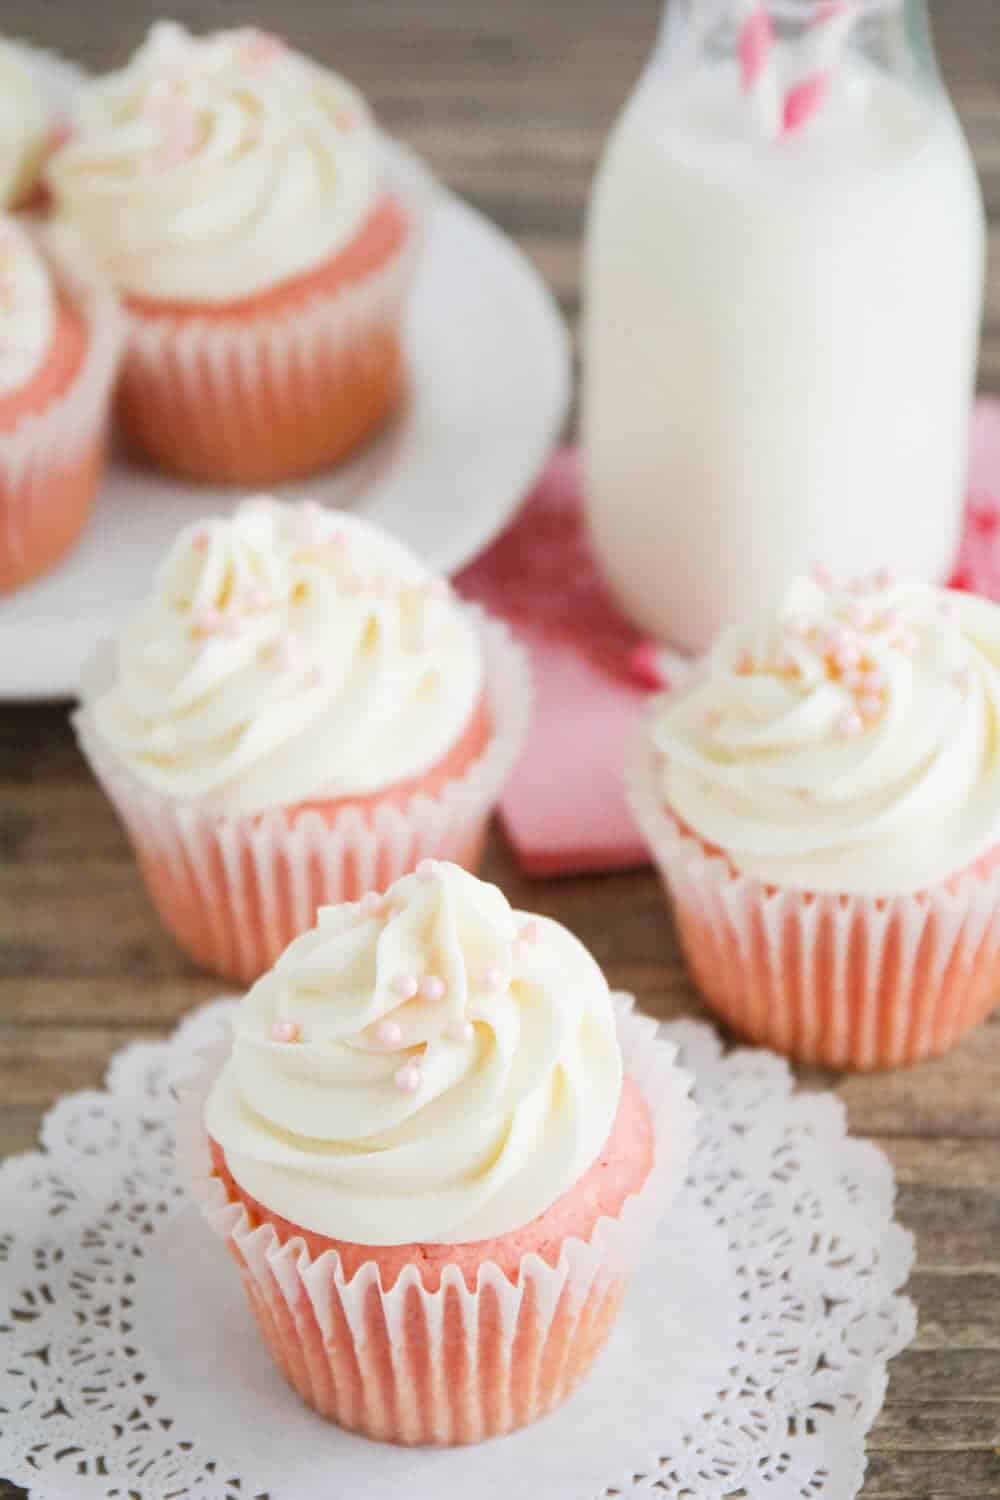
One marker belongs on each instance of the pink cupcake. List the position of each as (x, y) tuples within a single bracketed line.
[(263, 245), (823, 801), (434, 1151), (59, 345), (299, 715)]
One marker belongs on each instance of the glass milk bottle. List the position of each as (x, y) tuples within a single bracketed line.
[(783, 290)]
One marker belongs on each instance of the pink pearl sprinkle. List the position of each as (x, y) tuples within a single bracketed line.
[(530, 933), (407, 1078), (206, 620), (744, 664), (388, 1033), (493, 979), (372, 904), (426, 869), (821, 576), (285, 1031), (404, 985), (461, 1031), (849, 724), (870, 705), (200, 540), (257, 598), (885, 578), (431, 987)]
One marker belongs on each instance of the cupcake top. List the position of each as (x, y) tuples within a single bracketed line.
[(850, 743), (24, 126), (289, 654), (428, 1066), (211, 168), (27, 308)]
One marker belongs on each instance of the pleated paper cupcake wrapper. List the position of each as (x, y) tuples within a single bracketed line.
[(235, 891), (51, 460), (845, 981), (275, 398), (452, 1365)]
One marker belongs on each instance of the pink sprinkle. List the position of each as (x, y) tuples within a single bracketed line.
[(206, 620), (849, 724), (713, 718), (822, 576), (644, 665), (407, 1078), (461, 1031), (257, 598), (803, 101), (426, 870), (200, 540), (530, 932), (388, 1033), (870, 705), (337, 541), (493, 979), (744, 664), (372, 904), (261, 47), (431, 987), (286, 1031), (287, 654), (404, 985), (755, 39), (885, 578)]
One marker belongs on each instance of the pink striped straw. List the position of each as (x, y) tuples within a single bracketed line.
[(820, 52)]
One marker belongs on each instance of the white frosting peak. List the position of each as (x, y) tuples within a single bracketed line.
[(211, 168), (429, 1066), (24, 126), (27, 308), (851, 743), (290, 654)]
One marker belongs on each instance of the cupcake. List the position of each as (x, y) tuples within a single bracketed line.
[(434, 1151), (299, 715), (234, 194), (59, 344), (27, 129), (823, 802)]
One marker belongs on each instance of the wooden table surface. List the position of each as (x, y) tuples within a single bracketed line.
[(510, 102)]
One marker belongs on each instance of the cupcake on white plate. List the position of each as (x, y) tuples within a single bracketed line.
[(263, 243), (299, 715), (823, 802)]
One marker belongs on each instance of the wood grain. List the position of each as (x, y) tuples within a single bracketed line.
[(510, 103)]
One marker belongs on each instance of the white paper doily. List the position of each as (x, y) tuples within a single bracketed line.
[(750, 1355)]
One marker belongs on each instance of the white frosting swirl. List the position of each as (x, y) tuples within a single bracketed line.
[(211, 168), (850, 744), (27, 308), (447, 1117), (290, 654), (24, 126)]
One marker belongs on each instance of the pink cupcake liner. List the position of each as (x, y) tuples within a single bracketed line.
[(217, 391), (56, 448), (844, 981), (235, 891), (452, 1365)]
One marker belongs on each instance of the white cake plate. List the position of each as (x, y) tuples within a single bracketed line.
[(489, 389)]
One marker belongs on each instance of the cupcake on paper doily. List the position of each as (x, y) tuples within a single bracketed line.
[(823, 800), (431, 1162), (299, 715), (234, 193), (59, 343)]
